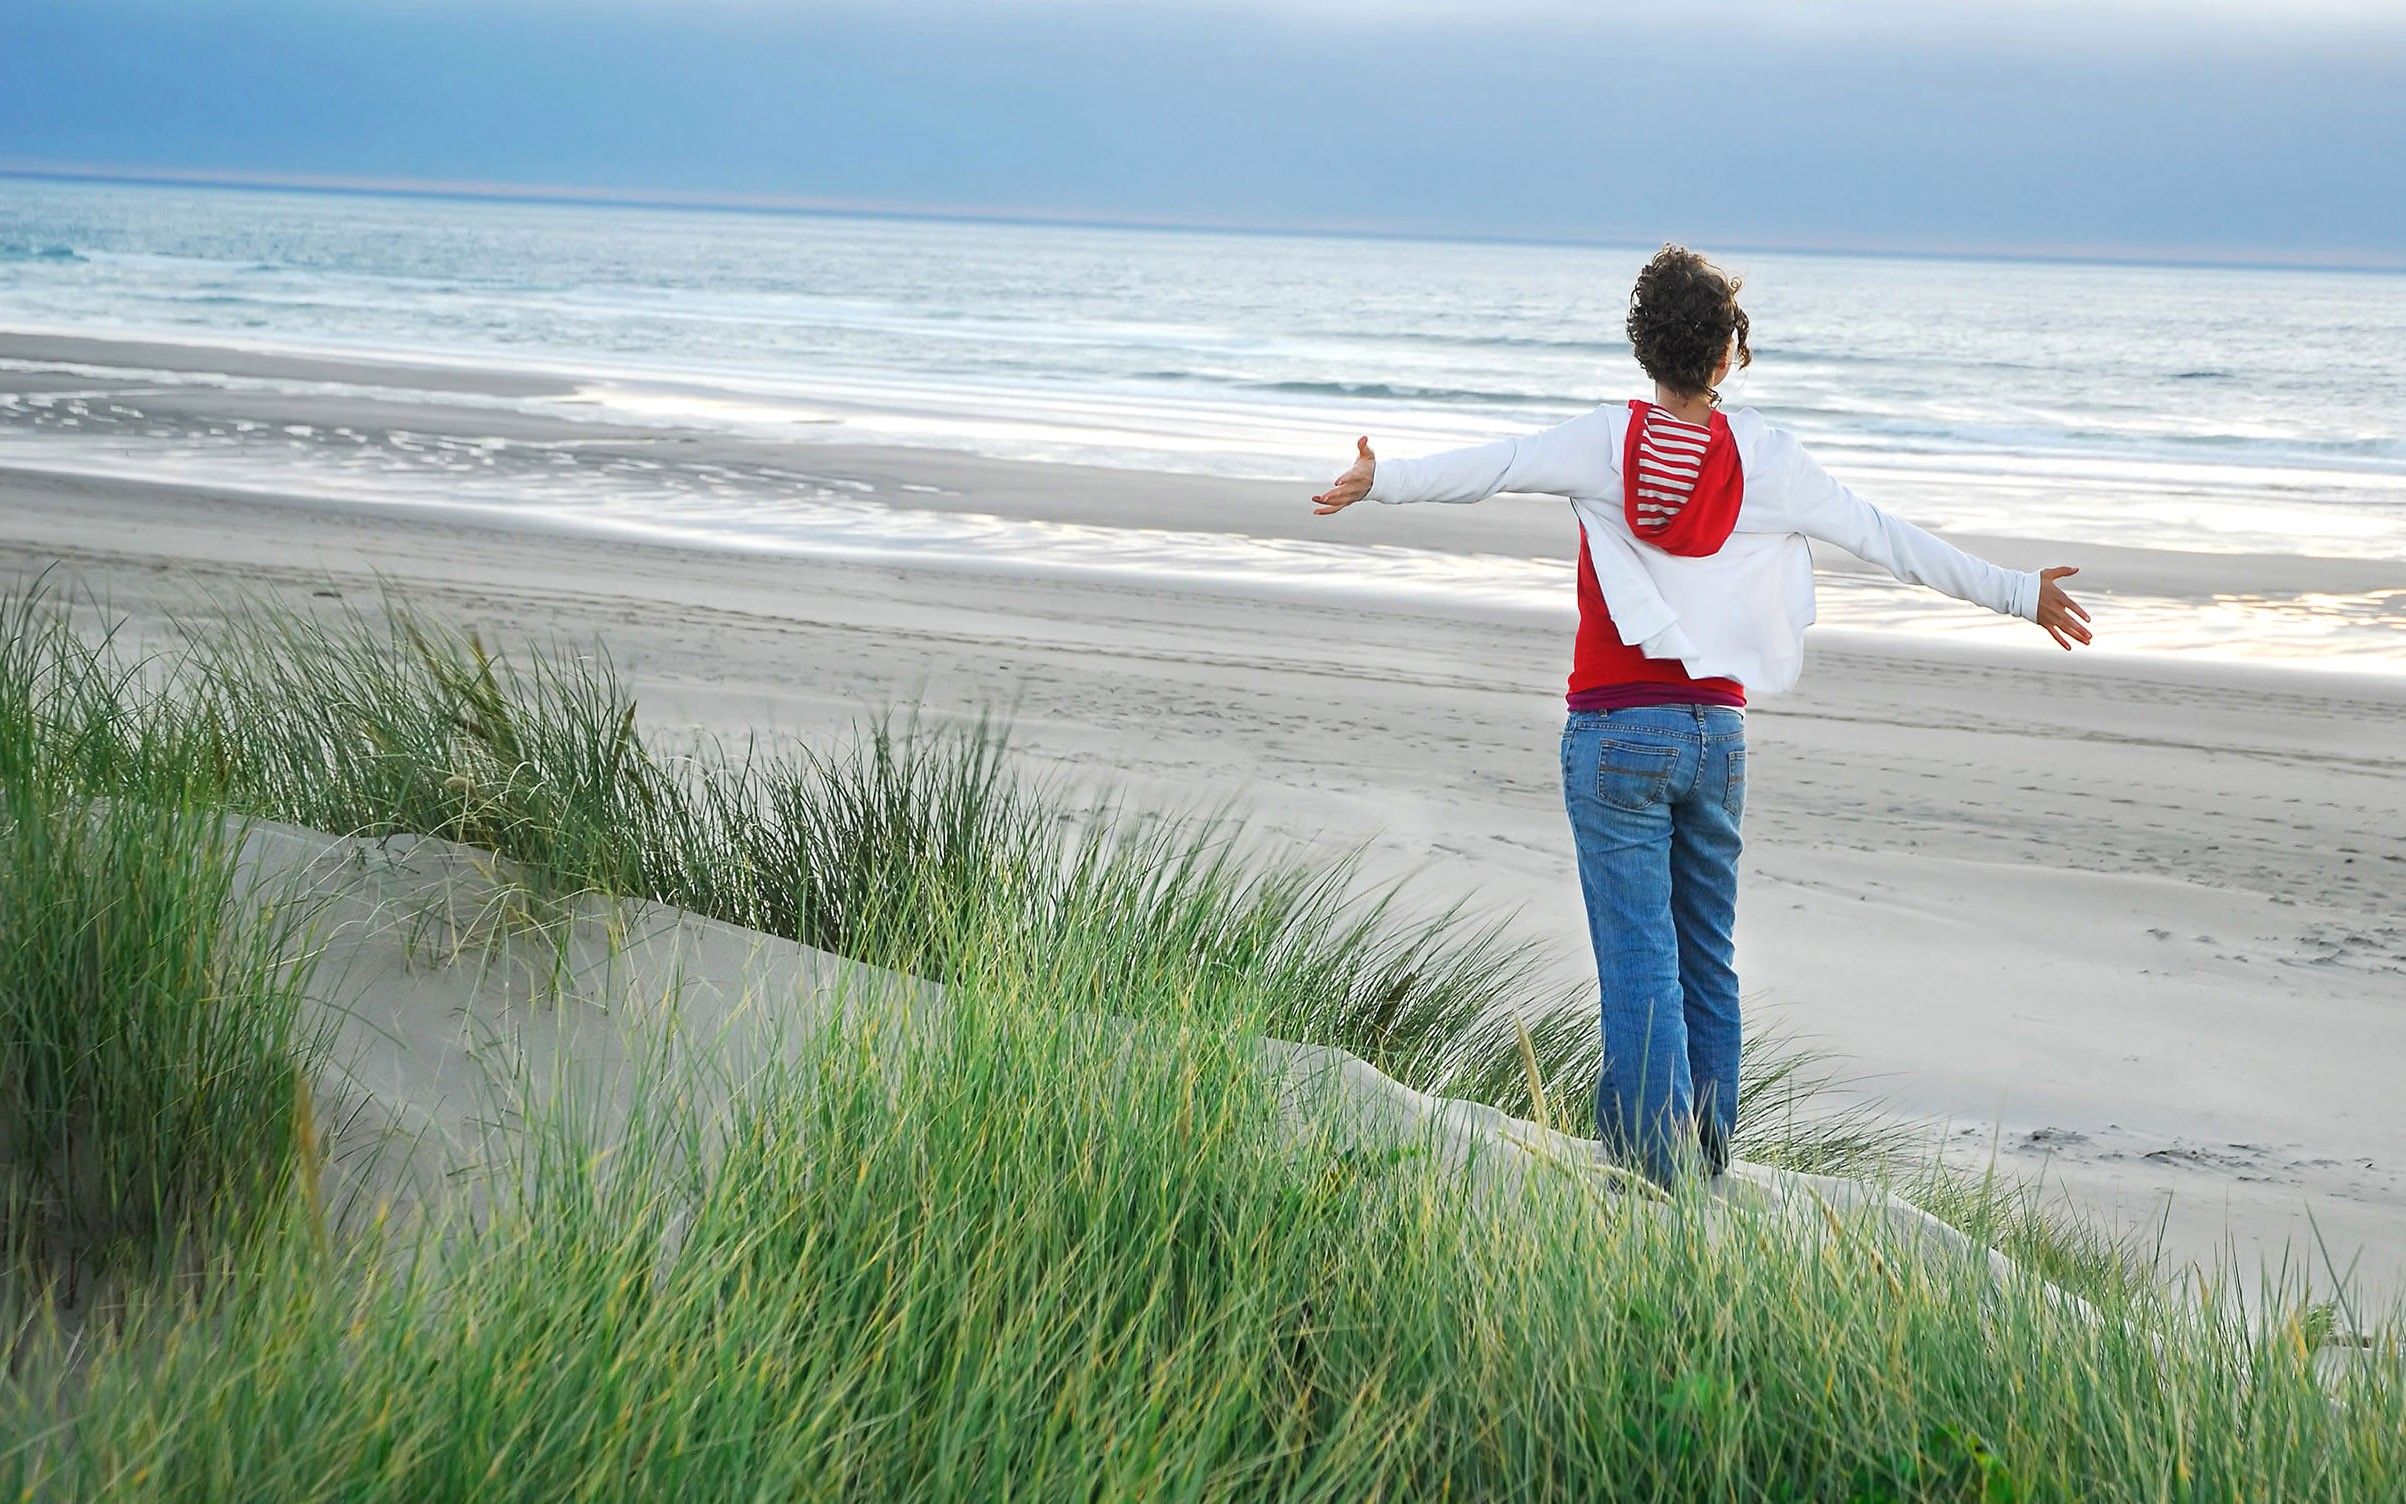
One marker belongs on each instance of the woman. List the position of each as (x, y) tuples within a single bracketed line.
[(1695, 586)]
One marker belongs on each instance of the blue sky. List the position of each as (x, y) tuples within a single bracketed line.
[(2214, 128)]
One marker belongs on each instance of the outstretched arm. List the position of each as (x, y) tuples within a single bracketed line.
[(1570, 459), (1816, 505)]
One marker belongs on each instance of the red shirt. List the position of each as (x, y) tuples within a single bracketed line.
[(1683, 499)]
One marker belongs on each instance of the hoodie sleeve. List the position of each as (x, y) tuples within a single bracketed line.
[(1804, 498), (1577, 458)]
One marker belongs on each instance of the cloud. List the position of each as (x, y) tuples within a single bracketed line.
[(1866, 136), (2032, 21)]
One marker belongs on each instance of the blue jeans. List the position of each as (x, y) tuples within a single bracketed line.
[(1655, 794)]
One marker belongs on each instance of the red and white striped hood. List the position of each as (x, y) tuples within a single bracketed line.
[(1682, 483)]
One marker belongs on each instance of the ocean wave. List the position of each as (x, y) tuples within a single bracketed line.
[(1774, 351), (1859, 424), (1376, 391), (18, 250), (1391, 391), (1576, 346)]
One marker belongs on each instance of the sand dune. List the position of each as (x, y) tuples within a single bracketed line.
[(457, 1009)]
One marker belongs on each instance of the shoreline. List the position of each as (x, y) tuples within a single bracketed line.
[(775, 405), (385, 433), (2338, 677)]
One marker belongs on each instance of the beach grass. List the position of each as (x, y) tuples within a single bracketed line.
[(151, 1038), (891, 848), (1018, 1255), (1064, 1242)]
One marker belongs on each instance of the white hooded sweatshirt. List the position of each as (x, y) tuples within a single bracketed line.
[(1740, 612)]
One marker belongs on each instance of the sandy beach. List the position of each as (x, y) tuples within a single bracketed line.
[(2131, 923)]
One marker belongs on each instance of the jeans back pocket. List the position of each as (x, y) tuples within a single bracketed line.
[(1634, 776)]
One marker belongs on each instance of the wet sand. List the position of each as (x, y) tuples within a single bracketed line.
[(2135, 924)]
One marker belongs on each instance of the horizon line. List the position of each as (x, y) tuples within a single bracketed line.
[(766, 202)]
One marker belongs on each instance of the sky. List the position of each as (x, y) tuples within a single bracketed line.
[(2217, 129)]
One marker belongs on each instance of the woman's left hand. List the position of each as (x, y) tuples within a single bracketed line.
[(2061, 615), (1350, 487)]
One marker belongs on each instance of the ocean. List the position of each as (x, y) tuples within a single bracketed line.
[(2214, 410)]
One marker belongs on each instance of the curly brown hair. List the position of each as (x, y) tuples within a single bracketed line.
[(1683, 316)]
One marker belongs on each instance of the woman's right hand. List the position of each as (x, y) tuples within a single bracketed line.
[(1350, 487)]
